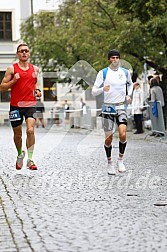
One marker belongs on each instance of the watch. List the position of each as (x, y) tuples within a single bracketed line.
[(38, 90)]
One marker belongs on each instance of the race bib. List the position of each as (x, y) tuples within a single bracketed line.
[(108, 109), (14, 115)]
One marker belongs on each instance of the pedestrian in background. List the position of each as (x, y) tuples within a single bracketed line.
[(156, 92), (83, 107), (137, 106), (162, 86), (149, 83), (160, 83), (66, 113), (21, 78), (116, 89), (40, 109), (156, 95)]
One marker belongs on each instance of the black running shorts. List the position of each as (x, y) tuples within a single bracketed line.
[(16, 115), (108, 120)]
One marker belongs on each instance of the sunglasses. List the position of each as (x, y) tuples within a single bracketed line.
[(114, 57), (23, 50)]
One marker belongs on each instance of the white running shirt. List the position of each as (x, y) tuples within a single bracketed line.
[(117, 81)]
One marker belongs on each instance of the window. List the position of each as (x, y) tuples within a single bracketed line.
[(49, 87), (5, 26)]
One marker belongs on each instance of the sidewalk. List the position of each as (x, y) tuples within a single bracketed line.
[(70, 204)]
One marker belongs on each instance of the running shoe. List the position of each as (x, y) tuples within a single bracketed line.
[(19, 161), (31, 165), (111, 170), (121, 166)]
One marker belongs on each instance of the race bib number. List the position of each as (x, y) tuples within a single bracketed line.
[(14, 115), (108, 109)]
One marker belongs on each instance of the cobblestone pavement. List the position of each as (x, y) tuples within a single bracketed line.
[(70, 204)]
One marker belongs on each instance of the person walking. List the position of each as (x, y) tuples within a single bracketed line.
[(40, 109), (116, 87), (66, 113), (21, 78), (137, 106), (83, 107), (156, 95)]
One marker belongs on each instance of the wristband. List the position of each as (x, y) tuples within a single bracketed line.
[(38, 90)]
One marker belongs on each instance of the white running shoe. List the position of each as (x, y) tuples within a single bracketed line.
[(111, 170), (121, 166)]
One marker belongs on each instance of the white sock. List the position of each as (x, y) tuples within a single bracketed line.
[(109, 161)]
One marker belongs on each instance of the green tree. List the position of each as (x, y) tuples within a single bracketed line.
[(148, 30), (78, 30), (86, 30)]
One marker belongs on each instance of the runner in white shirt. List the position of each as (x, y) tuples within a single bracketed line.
[(116, 89)]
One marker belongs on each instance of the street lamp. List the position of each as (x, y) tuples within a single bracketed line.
[(145, 78), (32, 11)]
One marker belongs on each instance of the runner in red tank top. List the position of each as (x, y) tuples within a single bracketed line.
[(21, 78), (25, 97)]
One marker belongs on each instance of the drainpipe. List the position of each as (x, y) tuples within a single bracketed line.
[(32, 11)]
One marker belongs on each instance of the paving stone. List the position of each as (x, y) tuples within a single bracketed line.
[(71, 204)]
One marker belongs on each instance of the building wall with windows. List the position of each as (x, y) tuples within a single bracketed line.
[(12, 14)]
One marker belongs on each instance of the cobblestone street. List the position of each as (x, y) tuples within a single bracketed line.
[(71, 205)]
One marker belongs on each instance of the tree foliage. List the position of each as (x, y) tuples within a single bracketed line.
[(86, 29), (151, 16), (78, 30)]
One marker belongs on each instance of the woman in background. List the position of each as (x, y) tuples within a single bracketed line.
[(137, 105)]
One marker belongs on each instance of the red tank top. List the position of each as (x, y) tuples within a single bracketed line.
[(22, 92)]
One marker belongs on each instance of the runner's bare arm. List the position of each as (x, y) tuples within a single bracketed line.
[(9, 79), (36, 87)]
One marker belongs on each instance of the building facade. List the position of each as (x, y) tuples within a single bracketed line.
[(12, 14)]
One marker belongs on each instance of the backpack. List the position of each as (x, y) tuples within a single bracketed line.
[(126, 74)]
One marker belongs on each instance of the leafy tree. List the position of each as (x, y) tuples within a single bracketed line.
[(150, 34), (149, 17), (42, 35), (86, 30), (78, 30)]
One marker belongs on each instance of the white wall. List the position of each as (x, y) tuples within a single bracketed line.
[(21, 10), (39, 5)]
